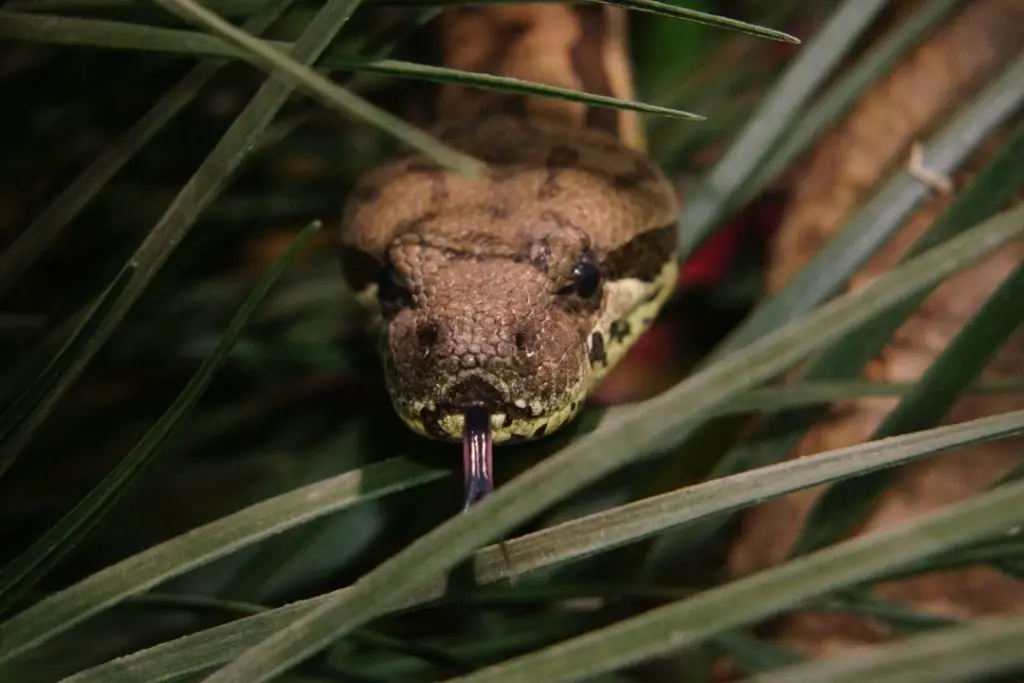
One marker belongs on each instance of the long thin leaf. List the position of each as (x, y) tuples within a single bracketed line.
[(994, 186), (298, 74), (620, 440), (201, 189), (24, 572), (603, 531), (971, 652), (841, 97), (563, 543), (842, 508), (122, 35), (13, 419), (776, 113), (886, 212), (61, 611), (763, 594), (22, 253), (991, 188), (669, 10)]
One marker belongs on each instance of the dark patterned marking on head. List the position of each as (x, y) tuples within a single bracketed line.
[(643, 257), (540, 431), (640, 174), (507, 422), (597, 354), (550, 189), (559, 157), (619, 331), (420, 165), (514, 105), (588, 62), (562, 156), (438, 187), (413, 225), (559, 219)]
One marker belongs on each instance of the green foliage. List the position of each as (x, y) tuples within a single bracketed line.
[(283, 534)]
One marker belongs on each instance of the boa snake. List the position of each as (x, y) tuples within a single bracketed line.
[(500, 302)]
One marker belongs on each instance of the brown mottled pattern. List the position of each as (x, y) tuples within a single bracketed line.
[(587, 61), (921, 93), (578, 47), (494, 315)]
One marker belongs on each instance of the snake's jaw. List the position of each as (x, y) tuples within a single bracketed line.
[(447, 413)]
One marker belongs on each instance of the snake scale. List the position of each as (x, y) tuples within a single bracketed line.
[(500, 302)]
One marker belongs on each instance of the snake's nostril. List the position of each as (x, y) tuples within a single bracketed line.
[(426, 333)]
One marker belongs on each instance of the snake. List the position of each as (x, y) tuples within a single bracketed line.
[(498, 303), (932, 84)]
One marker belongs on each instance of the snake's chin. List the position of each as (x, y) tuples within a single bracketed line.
[(512, 420)]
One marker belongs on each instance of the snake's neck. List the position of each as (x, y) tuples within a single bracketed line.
[(580, 47)]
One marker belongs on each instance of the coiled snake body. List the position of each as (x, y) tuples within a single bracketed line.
[(500, 302)]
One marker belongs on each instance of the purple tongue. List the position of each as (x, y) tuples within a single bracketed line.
[(477, 455)]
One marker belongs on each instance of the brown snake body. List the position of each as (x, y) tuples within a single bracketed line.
[(924, 91), (507, 298)]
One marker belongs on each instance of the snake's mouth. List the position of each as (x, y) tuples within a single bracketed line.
[(511, 420)]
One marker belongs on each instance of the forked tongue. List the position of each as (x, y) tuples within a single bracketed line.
[(477, 455)]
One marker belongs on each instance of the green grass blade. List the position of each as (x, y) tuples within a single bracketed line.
[(61, 611), (973, 652), (843, 508), (845, 94), (665, 9), (569, 541), (763, 594), (502, 83), (297, 74), (660, 8), (603, 531), (24, 571), (993, 187), (751, 655), (201, 189), (122, 35), (865, 603), (22, 253), (563, 543), (622, 438), (804, 394), (777, 112), (875, 224), (12, 422)]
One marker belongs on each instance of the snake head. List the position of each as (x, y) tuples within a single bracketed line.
[(510, 295), (474, 323)]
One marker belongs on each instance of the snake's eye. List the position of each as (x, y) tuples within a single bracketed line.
[(392, 289), (586, 278)]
